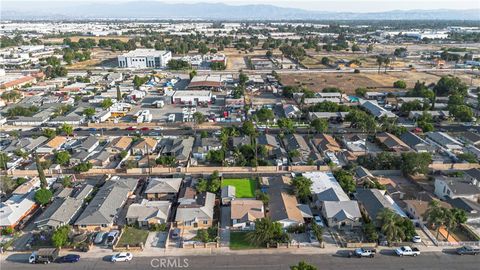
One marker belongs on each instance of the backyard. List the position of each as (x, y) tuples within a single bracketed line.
[(244, 187), (132, 237), (238, 240)]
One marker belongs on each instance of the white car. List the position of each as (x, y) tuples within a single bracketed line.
[(122, 257), (416, 239)]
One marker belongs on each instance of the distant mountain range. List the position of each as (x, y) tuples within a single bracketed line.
[(34, 10)]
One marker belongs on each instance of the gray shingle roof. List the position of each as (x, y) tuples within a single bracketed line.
[(163, 185), (149, 209), (200, 209), (342, 210), (107, 202)]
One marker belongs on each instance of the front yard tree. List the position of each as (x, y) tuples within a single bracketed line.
[(67, 129), (264, 115), (303, 266), (43, 196), (60, 236), (389, 225), (267, 232), (49, 133), (286, 124), (107, 103), (89, 112), (435, 216), (248, 128), (346, 181)]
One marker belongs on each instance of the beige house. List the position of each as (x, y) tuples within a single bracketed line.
[(119, 144), (147, 213), (244, 212), (196, 212), (144, 146), (163, 189)]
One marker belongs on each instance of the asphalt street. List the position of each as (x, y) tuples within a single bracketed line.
[(387, 260)]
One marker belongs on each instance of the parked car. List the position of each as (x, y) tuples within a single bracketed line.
[(318, 220), (363, 252), (122, 257), (131, 128), (416, 239), (176, 233), (112, 236), (70, 258), (468, 250), (153, 133), (99, 237), (407, 251), (144, 129)]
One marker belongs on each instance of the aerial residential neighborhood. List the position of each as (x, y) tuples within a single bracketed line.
[(246, 136)]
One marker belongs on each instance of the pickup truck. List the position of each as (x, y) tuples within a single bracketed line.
[(407, 251), (363, 252)]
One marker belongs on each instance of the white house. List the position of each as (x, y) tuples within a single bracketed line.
[(144, 58)]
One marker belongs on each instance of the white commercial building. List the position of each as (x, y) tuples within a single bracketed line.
[(192, 97), (144, 58)]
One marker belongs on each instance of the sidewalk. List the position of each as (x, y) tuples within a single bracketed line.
[(152, 252)]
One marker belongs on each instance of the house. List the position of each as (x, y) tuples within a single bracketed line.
[(144, 146), (326, 143), (293, 143), (436, 115), (203, 145), (445, 141), (162, 189), (342, 214), (471, 137), (472, 175), (53, 145), (244, 212), (89, 144), (356, 144), (373, 201), (291, 111), (119, 144), (100, 159), (283, 206), (196, 213), (79, 157), (362, 174), (14, 210), (64, 208), (239, 141), (450, 187), (180, 148), (374, 109), (147, 212), (416, 209), (274, 149), (472, 208), (416, 143), (228, 194), (102, 212), (325, 188), (27, 144), (391, 142)]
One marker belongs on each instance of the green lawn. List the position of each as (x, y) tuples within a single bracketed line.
[(244, 187), (132, 236), (238, 240)]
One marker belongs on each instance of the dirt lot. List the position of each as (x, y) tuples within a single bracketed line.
[(351, 81), (100, 57)]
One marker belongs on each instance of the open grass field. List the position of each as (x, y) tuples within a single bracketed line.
[(244, 187), (238, 241)]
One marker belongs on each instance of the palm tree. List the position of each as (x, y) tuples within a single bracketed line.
[(379, 62), (389, 222), (435, 215), (386, 61), (451, 221)]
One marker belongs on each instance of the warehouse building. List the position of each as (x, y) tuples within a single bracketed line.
[(144, 58), (191, 97)]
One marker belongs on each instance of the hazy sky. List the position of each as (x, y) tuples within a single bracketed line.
[(326, 5)]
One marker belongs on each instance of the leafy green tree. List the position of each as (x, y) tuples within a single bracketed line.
[(400, 84), (361, 91), (192, 73), (67, 129), (60, 236), (62, 157), (67, 181), (202, 185), (267, 232), (216, 156), (89, 112), (264, 114), (43, 196), (248, 128), (41, 173), (468, 157), (346, 181), (449, 85), (319, 125), (107, 103), (301, 187), (83, 167), (462, 113), (370, 232), (435, 216), (415, 163), (361, 120), (303, 265), (286, 124)]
